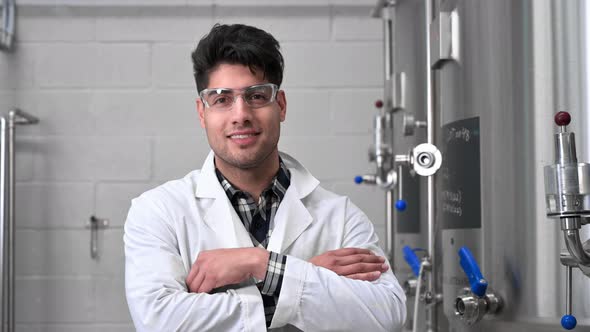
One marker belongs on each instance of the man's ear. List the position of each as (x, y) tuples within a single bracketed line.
[(282, 102), (201, 110)]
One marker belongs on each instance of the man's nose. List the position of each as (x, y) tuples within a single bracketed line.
[(241, 111)]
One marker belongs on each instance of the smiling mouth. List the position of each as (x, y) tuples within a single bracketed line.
[(242, 136)]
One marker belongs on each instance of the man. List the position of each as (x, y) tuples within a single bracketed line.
[(251, 240)]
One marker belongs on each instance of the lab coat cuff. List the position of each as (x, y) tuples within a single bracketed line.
[(291, 291), (251, 303)]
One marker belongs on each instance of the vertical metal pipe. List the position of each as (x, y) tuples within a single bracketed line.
[(568, 290), (11, 228), (388, 37), (3, 218), (431, 314), (389, 228)]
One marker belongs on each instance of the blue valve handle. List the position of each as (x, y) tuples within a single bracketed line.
[(412, 260), (401, 205), (358, 179), (478, 284), (568, 322)]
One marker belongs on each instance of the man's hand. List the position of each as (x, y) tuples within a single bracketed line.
[(221, 267), (353, 263)]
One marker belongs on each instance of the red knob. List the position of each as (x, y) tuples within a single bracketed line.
[(562, 118), (379, 103)]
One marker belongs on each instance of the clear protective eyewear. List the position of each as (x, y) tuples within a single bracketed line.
[(255, 96)]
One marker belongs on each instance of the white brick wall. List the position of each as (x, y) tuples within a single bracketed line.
[(112, 83)]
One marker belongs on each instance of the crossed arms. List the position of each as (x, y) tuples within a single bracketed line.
[(345, 289)]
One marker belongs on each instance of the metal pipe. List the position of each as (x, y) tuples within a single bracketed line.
[(417, 298), (7, 30), (575, 247), (565, 148), (389, 228), (15, 117), (11, 227), (568, 290), (3, 219), (21, 117), (431, 315), (388, 55)]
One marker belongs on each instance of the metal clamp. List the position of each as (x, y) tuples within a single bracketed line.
[(471, 308), (95, 224), (426, 159)]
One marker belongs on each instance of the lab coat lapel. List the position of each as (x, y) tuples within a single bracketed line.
[(291, 219), (220, 216), (223, 219)]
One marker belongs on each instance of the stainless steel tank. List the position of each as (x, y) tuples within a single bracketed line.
[(519, 62)]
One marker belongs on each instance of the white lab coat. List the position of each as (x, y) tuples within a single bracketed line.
[(168, 226)]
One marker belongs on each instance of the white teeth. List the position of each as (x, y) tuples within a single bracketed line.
[(241, 136)]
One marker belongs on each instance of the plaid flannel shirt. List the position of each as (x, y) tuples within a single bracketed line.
[(260, 216)]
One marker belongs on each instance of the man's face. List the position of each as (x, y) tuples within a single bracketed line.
[(242, 136)]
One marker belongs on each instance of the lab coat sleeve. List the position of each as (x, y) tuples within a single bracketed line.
[(317, 299), (155, 282)]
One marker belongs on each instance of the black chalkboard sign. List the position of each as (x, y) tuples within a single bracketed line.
[(459, 196)]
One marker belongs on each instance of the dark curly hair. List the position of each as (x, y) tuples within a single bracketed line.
[(238, 44)]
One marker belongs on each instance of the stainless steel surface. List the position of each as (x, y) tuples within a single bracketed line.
[(520, 62), (567, 189)]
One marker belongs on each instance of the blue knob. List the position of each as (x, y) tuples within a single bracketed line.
[(568, 322), (358, 179), (476, 280), (401, 205), (412, 260)]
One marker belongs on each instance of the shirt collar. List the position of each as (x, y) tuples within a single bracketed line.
[(278, 185)]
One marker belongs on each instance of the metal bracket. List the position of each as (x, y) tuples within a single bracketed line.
[(398, 101), (409, 123), (95, 224), (444, 39)]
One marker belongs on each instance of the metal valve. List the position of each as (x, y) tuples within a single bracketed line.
[(411, 284), (567, 195), (475, 301), (410, 124)]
